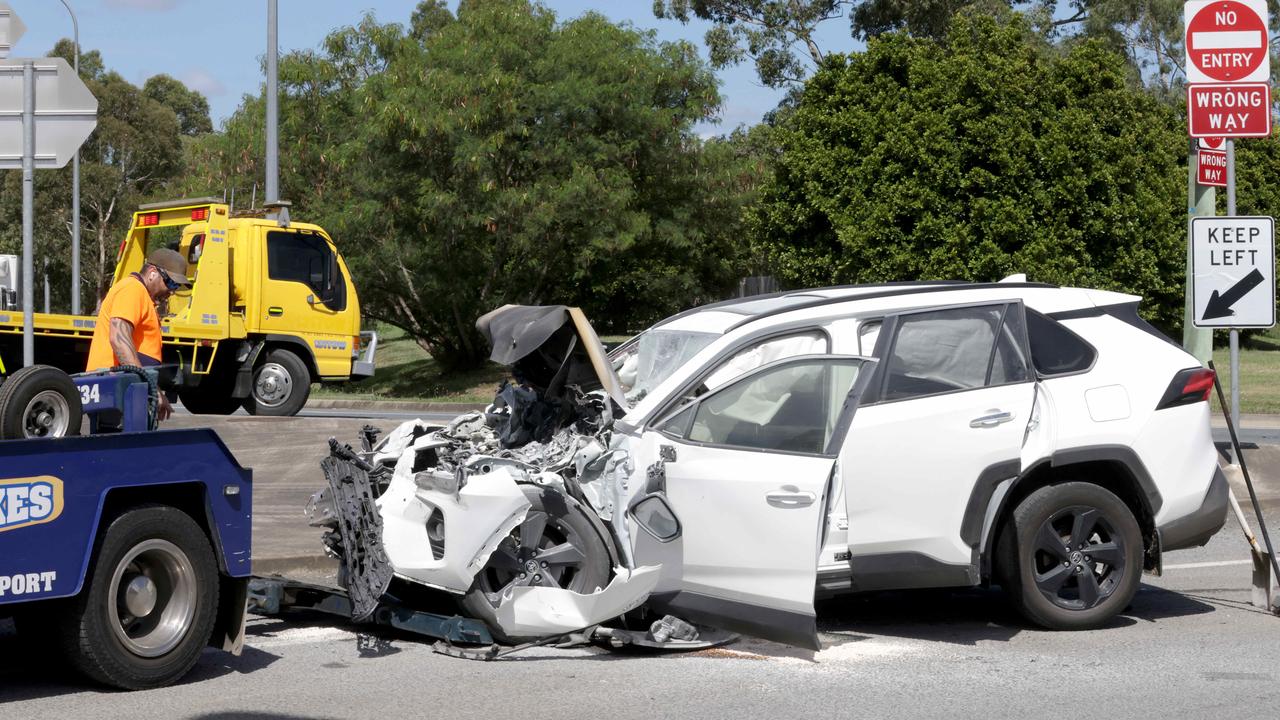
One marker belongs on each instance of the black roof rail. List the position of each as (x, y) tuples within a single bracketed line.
[(785, 293), (948, 286)]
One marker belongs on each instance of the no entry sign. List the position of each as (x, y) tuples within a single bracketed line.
[(1229, 110), (1227, 41)]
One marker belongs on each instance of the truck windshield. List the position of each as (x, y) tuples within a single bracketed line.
[(649, 359)]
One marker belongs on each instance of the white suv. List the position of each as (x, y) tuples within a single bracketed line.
[(820, 441)]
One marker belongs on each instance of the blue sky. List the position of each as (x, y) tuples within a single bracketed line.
[(216, 46)]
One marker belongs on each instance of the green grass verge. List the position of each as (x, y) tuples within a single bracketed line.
[(1259, 373), (406, 372)]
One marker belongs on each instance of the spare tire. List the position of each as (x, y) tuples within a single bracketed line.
[(39, 402), (557, 545)]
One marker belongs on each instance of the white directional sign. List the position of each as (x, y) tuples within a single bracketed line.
[(1233, 267), (11, 28), (66, 112)]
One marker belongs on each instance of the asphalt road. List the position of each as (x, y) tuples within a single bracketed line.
[(1190, 646)]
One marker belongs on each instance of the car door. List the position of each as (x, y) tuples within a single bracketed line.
[(941, 426), (746, 469)]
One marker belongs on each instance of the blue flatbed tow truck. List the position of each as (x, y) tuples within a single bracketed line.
[(129, 549)]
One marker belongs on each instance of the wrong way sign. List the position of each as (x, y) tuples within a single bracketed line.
[(1227, 41), (1233, 272)]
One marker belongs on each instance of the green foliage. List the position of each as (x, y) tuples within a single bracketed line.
[(191, 108), (975, 157), (501, 156)]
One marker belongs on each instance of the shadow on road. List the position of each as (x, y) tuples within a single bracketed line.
[(971, 615)]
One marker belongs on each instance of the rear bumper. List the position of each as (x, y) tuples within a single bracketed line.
[(363, 367), (1195, 529)]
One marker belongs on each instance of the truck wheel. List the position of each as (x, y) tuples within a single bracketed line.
[(212, 397), (38, 402), (281, 384), (556, 546), (1071, 556), (149, 605)]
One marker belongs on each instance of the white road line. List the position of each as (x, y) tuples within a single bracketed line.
[(1219, 563), (300, 636)]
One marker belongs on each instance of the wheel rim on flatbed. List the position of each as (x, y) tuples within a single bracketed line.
[(46, 415)]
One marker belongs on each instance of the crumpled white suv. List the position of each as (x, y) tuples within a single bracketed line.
[(734, 461)]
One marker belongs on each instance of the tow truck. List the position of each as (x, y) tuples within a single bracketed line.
[(272, 310), (127, 551)]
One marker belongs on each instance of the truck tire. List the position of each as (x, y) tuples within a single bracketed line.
[(281, 384), (149, 603), (39, 402), (211, 397)]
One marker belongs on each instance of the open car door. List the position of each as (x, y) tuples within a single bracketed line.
[(747, 471)]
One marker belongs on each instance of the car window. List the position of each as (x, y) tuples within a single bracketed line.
[(1055, 350), (653, 357), (955, 349), (868, 333), (812, 342), (790, 408)]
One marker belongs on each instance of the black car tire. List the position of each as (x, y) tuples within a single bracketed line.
[(554, 521), (154, 559), (1070, 556), (39, 401)]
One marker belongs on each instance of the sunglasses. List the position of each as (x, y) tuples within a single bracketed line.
[(169, 284)]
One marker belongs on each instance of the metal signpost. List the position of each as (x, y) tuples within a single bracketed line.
[(1229, 96), (46, 113)]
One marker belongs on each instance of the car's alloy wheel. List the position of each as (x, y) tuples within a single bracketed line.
[(557, 546), (1070, 556)]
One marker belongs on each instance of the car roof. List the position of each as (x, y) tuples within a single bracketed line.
[(726, 315)]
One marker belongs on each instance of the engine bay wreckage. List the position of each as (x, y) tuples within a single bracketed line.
[(518, 514)]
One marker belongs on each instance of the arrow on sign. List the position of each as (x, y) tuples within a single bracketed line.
[(1220, 305)]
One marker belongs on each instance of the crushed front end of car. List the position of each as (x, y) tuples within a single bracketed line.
[(516, 513)]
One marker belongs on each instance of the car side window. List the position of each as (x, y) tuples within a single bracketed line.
[(1055, 350), (955, 349), (791, 408), (810, 342)]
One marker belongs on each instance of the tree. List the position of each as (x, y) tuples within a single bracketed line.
[(191, 108), (502, 156), (975, 157)]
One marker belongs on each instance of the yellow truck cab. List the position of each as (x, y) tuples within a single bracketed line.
[(271, 311)]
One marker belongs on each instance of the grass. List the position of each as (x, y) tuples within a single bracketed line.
[(406, 372), (1259, 373)]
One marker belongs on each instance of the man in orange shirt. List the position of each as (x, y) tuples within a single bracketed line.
[(128, 327)]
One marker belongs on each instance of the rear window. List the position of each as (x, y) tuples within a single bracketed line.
[(1055, 350)]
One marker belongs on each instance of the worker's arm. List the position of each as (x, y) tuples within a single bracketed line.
[(122, 342), (127, 354)]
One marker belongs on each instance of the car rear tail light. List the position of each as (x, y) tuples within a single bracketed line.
[(200, 214), (1189, 386), (148, 219)]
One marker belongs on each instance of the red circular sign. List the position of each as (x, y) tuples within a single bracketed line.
[(1226, 41)]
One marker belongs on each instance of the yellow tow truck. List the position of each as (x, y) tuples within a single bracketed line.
[(272, 310)]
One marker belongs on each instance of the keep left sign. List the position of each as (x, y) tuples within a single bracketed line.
[(1227, 41)]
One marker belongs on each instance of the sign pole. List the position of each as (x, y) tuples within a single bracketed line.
[(1234, 334), (1200, 202), (28, 209)]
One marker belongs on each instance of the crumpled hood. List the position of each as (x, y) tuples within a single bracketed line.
[(550, 346)]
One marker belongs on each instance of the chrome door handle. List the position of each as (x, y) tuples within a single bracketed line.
[(991, 420), (790, 498)]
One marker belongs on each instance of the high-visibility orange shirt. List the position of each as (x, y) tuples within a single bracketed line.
[(127, 300)]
